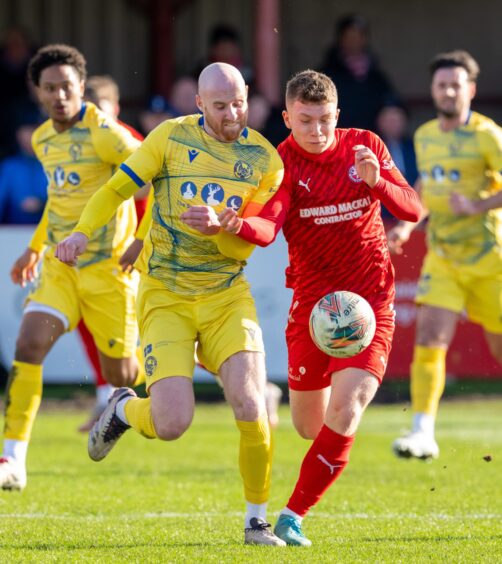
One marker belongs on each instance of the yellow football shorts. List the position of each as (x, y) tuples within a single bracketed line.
[(170, 324), (475, 288), (100, 294)]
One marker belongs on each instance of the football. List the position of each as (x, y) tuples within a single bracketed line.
[(342, 324)]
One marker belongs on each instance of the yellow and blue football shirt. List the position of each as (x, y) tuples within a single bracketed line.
[(77, 162), (468, 161), (188, 167)]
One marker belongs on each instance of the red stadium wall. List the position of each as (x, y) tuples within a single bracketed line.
[(468, 356)]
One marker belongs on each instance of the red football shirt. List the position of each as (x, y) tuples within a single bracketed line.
[(331, 219)]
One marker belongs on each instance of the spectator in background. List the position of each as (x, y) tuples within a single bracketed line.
[(182, 99), (181, 102), (392, 126), (158, 110), (17, 105), (23, 184), (266, 119), (362, 86), (224, 46)]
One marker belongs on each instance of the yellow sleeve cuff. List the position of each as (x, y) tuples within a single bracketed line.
[(39, 237)]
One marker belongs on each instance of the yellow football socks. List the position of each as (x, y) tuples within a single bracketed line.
[(22, 400), (139, 416), (255, 459), (428, 373)]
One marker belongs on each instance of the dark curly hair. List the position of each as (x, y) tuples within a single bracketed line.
[(453, 59), (311, 86), (57, 54)]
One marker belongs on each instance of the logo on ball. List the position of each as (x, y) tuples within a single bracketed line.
[(342, 324)]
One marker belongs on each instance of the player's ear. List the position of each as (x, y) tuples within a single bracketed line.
[(472, 89), (198, 101), (285, 117)]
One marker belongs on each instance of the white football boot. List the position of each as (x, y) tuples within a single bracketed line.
[(260, 532), (108, 428), (12, 474), (416, 445)]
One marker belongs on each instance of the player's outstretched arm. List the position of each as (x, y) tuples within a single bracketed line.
[(461, 205)]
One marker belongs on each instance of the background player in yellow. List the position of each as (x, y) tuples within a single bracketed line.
[(79, 148), (459, 157), (189, 291)]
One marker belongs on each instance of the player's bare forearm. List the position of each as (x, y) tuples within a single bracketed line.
[(130, 255), (462, 205)]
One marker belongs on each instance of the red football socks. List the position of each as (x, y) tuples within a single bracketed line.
[(323, 463)]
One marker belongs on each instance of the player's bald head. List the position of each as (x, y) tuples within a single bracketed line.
[(222, 99), (220, 76)]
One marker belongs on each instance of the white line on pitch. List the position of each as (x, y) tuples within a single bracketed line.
[(205, 515)]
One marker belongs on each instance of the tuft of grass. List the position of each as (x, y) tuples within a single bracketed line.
[(150, 501)]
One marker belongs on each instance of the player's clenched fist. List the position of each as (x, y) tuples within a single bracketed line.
[(201, 218), (69, 249), (230, 221), (367, 165)]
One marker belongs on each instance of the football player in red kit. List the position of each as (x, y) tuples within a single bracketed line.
[(329, 209)]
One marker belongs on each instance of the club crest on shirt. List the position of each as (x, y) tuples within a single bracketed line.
[(234, 202), (438, 173), (354, 177), (243, 170), (75, 151), (212, 194), (59, 176), (150, 365), (74, 179), (188, 190)]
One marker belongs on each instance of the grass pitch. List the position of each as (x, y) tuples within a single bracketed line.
[(182, 501)]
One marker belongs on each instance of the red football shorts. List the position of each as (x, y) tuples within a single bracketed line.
[(310, 369)]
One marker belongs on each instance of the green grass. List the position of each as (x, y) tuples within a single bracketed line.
[(182, 502)]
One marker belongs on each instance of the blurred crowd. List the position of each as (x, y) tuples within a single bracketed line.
[(367, 100)]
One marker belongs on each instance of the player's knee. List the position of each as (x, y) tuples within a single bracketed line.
[(248, 407), (169, 430), (307, 430), (345, 417)]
